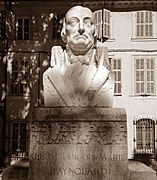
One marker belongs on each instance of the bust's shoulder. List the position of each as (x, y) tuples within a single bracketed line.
[(56, 48), (56, 55)]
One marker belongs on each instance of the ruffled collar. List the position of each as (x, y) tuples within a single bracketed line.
[(84, 59)]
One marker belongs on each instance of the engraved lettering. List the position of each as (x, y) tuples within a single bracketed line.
[(70, 171), (96, 171), (103, 171), (114, 157), (84, 171), (64, 171), (90, 172), (77, 157), (77, 171), (102, 157)]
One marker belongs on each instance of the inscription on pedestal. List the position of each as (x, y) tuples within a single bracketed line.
[(89, 150), (77, 157)]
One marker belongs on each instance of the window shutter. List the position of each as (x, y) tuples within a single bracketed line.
[(106, 23), (150, 76), (102, 19), (144, 24), (139, 76), (116, 63), (150, 24), (98, 20), (138, 24)]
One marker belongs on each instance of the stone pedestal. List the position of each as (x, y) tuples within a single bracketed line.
[(78, 144)]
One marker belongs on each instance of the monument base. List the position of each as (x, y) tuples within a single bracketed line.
[(78, 144), (137, 171), (75, 143)]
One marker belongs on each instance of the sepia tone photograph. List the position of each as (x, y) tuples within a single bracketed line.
[(78, 90)]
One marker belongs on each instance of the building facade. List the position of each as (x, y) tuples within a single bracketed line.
[(132, 47), (28, 30)]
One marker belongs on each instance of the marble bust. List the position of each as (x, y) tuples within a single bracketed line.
[(79, 75)]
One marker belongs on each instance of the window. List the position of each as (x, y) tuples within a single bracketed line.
[(116, 65), (19, 137), (102, 18), (144, 24), (57, 25), (2, 25), (145, 136), (20, 76), (144, 76), (23, 29)]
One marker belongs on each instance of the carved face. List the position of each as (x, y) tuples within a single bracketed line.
[(80, 29)]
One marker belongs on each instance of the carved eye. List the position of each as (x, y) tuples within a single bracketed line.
[(73, 21), (88, 22)]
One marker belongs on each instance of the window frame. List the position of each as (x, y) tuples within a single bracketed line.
[(144, 20), (56, 28), (23, 18), (147, 130), (144, 82), (17, 76), (17, 140), (143, 38)]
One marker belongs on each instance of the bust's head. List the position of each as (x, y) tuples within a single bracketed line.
[(79, 30)]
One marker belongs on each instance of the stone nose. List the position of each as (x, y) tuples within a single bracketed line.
[(81, 31), (81, 28)]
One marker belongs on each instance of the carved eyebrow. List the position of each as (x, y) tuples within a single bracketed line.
[(72, 18), (89, 18), (76, 18)]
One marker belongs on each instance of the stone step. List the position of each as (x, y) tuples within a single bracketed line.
[(139, 171), (17, 171)]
